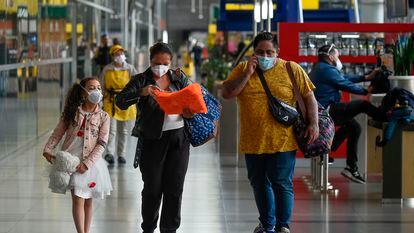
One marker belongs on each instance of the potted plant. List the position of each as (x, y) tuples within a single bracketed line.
[(214, 70), (403, 57)]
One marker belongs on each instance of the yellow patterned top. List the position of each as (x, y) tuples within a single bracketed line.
[(260, 133)]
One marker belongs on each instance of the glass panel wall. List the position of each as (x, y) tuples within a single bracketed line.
[(46, 45), (31, 105), (34, 69)]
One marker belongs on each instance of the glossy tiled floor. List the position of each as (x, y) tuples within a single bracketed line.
[(217, 198)]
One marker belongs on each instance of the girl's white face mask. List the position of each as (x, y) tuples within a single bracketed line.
[(159, 70), (94, 96)]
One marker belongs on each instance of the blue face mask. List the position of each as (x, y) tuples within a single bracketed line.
[(266, 63)]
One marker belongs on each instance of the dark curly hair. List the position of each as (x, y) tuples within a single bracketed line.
[(74, 100), (262, 36), (160, 47)]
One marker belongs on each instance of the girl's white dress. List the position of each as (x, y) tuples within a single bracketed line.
[(95, 182)]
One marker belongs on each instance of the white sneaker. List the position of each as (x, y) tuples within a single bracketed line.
[(284, 230)]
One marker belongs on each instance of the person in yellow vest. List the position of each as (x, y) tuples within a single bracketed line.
[(114, 77)]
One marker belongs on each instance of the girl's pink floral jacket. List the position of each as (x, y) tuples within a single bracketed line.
[(95, 137)]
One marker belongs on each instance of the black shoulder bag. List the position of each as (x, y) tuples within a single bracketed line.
[(281, 111)]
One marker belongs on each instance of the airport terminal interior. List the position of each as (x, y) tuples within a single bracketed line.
[(47, 46)]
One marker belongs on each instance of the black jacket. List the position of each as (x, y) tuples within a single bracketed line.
[(103, 57), (394, 96), (150, 117)]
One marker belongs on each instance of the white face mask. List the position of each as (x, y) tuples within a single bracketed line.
[(120, 59), (94, 96), (159, 70), (338, 64)]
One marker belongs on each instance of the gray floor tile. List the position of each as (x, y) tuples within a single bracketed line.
[(217, 198)]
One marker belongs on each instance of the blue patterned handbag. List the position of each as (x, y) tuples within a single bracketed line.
[(203, 127)]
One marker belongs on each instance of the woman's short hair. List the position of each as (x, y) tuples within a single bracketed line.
[(160, 47), (264, 36)]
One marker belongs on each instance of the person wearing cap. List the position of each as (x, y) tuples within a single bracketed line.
[(114, 78), (328, 80)]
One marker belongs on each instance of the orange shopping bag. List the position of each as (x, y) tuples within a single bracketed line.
[(188, 97)]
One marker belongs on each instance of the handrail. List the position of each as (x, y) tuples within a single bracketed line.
[(31, 63), (97, 6), (241, 55)]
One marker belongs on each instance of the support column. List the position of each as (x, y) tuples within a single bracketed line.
[(97, 21), (106, 21), (125, 24), (133, 36), (74, 43), (372, 11), (254, 21), (150, 28)]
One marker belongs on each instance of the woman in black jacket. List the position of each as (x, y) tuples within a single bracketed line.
[(163, 142)]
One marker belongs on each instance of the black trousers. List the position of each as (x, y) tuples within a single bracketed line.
[(163, 166), (343, 116)]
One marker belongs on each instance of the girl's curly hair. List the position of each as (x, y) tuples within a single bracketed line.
[(74, 100)]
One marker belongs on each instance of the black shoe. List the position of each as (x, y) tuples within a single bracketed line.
[(109, 158), (353, 175), (260, 229), (121, 160)]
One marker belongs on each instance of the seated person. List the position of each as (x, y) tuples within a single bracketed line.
[(329, 81)]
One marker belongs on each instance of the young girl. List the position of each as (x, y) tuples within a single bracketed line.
[(85, 127)]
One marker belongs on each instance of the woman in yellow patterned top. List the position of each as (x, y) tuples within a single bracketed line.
[(269, 146), (115, 77)]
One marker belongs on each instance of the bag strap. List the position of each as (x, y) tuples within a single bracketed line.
[(296, 91), (264, 83)]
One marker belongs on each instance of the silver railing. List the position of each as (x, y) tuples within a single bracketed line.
[(31, 63), (318, 181)]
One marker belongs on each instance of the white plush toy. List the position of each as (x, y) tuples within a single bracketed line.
[(63, 166)]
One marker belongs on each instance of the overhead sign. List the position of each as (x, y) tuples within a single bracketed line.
[(237, 15), (310, 4), (242, 6)]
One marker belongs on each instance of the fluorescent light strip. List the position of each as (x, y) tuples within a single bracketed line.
[(350, 36), (319, 36)]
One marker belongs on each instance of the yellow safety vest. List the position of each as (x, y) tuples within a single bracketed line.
[(115, 81)]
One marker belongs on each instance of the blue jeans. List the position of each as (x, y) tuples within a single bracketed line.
[(271, 177)]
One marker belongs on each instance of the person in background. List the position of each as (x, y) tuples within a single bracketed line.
[(81, 57), (185, 61), (163, 142), (326, 76), (3, 60), (115, 41), (197, 54), (114, 78), (269, 147), (240, 46), (102, 56)]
